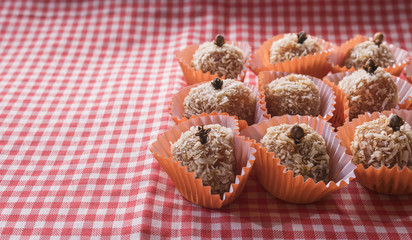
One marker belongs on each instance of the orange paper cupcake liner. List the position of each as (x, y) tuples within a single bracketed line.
[(281, 183), (408, 71), (327, 101), (314, 65), (404, 94), (176, 107), (341, 112), (191, 188), (336, 58), (382, 180), (193, 76)]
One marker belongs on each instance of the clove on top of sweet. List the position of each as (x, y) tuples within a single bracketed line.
[(297, 133), (202, 134), (302, 36)]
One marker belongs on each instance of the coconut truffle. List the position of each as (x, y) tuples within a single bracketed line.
[(219, 57), (376, 50), (369, 92), (230, 96), (208, 151), (293, 45), (300, 149), (293, 94), (385, 141)]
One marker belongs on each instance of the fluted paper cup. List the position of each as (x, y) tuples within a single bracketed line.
[(193, 76), (280, 182), (327, 96), (404, 95), (408, 71), (337, 57), (393, 181), (176, 108), (314, 64), (341, 112), (192, 189)]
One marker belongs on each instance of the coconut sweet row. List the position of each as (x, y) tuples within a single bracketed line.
[(294, 53), (224, 126)]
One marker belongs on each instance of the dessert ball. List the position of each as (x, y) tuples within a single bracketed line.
[(294, 95), (376, 50), (369, 91), (208, 151), (300, 149), (386, 141), (293, 45), (230, 96), (219, 57)]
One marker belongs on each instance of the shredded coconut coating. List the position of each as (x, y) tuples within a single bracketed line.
[(369, 92), (294, 94), (234, 98), (376, 144), (227, 60), (307, 158), (362, 52), (213, 162), (287, 48)]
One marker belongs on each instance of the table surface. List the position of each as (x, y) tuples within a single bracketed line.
[(85, 88)]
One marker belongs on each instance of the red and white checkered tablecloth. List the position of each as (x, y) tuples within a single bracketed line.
[(85, 88)]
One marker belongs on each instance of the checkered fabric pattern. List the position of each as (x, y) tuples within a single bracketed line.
[(85, 88)]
